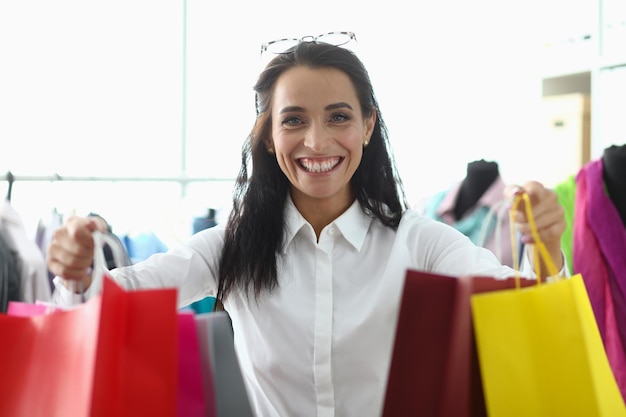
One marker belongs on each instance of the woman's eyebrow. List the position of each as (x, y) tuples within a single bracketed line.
[(290, 109), (334, 106), (340, 105)]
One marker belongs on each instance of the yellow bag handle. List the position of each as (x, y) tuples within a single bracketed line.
[(539, 249)]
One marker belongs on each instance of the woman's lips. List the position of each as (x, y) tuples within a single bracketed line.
[(317, 165)]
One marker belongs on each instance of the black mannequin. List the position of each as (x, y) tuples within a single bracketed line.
[(480, 175), (614, 170)]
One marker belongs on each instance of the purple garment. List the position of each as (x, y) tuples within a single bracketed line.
[(600, 257)]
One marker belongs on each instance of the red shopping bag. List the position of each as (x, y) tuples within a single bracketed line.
[(434, 367), (114, 355), (429, 373), (136, 363), (47, 362)]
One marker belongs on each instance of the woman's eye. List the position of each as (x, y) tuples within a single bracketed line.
[(292, 121), (339, 118)]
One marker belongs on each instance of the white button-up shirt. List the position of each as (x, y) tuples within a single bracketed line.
[(320, 344)]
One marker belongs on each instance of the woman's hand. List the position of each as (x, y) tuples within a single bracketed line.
[(71, 251), (549, 218)]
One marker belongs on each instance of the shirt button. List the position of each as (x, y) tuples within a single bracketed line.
[(332, 231)]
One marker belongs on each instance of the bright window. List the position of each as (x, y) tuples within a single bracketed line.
[(146, 88)]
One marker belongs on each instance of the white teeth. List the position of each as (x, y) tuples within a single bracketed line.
[(319, 166)]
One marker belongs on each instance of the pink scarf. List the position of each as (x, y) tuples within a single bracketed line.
[(600, 257)]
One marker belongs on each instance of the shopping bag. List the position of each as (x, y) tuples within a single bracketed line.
[(539, 349), (191, 398), (540, 353), (136, 363), (221, 372), (429, 371), (190, 395), (48, 362), (114, 355), (24, 309), (434, 366)]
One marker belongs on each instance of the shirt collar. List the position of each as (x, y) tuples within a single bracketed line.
[(352, 224)]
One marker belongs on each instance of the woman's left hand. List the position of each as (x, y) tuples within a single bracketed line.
[(549, 218)]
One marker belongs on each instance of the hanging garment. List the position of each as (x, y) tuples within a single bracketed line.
[(600, 256), (142, 245), (566, 193), (441, 208), (9, 275), (33, 270), (204, 222), (43, 236)]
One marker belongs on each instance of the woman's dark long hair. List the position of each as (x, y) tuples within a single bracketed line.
[(254, 231)]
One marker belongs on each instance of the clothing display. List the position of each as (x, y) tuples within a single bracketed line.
[(9, 276), (43, 235), (353, 274), (614, 176), (442, 205), (599, 250), (140, 246), (34, 281), (204, 222), (566, 193), (594, 244)]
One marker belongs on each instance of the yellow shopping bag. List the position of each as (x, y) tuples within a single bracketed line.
[(540, 351)]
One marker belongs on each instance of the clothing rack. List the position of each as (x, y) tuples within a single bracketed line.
[(56, 177), (183, 180)]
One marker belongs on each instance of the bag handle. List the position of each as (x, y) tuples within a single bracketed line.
[(99, 269), (539, 248)]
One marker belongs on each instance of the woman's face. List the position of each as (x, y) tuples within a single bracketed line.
[(318, 133)]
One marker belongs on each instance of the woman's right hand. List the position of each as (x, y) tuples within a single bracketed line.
[(71, 250)]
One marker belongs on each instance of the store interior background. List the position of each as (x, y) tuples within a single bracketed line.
[(136, 90)]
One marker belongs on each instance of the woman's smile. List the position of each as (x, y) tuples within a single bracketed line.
[(319, 165)]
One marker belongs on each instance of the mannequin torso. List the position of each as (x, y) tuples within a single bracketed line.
[(480, 175), (614, 173)]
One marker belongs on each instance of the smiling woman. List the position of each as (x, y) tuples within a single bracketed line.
[(318, 134)]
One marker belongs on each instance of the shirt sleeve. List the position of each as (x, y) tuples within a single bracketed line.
[(442, 249), (64, 297), (191, 267), (527, 268)]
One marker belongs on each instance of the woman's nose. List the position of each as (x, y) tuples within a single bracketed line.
[(317, 137)]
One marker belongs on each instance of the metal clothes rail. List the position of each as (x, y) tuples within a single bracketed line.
[(56, 177), (182, 180)]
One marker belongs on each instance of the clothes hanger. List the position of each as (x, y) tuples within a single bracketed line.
[(11, 179)]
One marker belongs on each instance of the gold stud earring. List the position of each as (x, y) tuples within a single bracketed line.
[(270, 151), (367, 141)]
